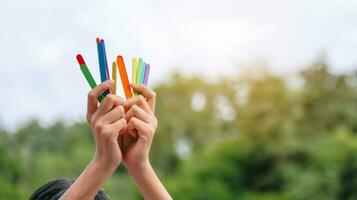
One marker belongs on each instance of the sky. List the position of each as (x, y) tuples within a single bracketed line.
[(40, 78)]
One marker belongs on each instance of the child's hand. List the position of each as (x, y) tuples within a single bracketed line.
[(107, 122), (142, 125)]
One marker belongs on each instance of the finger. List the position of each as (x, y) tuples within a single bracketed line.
[(148, 93), (108, 103), (117, 128), (95, 93), (144, 130), (120, 125), (136, 111), (113, 115), (132, 130), (140, 101)]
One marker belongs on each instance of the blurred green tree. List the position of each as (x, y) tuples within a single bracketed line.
[(251, 136)]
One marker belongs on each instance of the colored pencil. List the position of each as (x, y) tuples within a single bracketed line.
[(124, 77), (87, 74), (139, 71), (105, 59), (102, 63), (146, 74), (114, 76), (134, 70), (142, 75)]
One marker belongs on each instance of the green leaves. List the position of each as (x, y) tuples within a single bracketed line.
[(247, 137)]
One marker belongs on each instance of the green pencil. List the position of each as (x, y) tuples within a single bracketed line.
[(87, 74), (139, 71)]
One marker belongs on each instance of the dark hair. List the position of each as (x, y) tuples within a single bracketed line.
[(54, 189)]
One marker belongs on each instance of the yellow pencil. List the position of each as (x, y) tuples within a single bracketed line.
[(134, 70), (114, 75)]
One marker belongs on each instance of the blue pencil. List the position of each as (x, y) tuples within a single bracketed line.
[(105, 59), (143, 73), (103, 68)]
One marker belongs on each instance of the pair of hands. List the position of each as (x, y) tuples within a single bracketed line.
[(123, 130)]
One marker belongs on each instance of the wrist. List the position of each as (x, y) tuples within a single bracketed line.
[(138, 167), (141, 173), (102, 165)]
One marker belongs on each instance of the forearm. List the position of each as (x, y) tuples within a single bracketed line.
[(88, 183), (148, 183)]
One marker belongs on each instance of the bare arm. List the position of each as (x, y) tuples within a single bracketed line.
[(89, 182), (142, 125), (148, 182), (106, 122)]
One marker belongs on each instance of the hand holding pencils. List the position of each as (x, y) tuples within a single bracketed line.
[(140, 71)]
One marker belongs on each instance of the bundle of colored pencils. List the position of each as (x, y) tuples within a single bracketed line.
[(140, 71)]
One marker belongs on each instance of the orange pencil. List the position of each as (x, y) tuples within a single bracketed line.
[(124, 77)]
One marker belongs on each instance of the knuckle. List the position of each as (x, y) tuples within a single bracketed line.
[(151, 131), (120, 114), (111, 97), (141, 99), (106, 130), (132, 122), (153, 94), (91, 95), (118, 111), (135, 109), (106, 83), (155, 124), (98, 127), (123, 122)]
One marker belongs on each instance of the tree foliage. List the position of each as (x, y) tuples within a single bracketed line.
[(249, 136)]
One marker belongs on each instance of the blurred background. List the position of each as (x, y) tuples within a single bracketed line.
[(257, 100)]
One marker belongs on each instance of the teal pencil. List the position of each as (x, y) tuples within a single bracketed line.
[(142, 75)]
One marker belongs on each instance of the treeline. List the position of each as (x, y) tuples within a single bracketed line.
[(253, 136)]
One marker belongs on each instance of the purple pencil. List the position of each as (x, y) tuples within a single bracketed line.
[(146, 75)]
